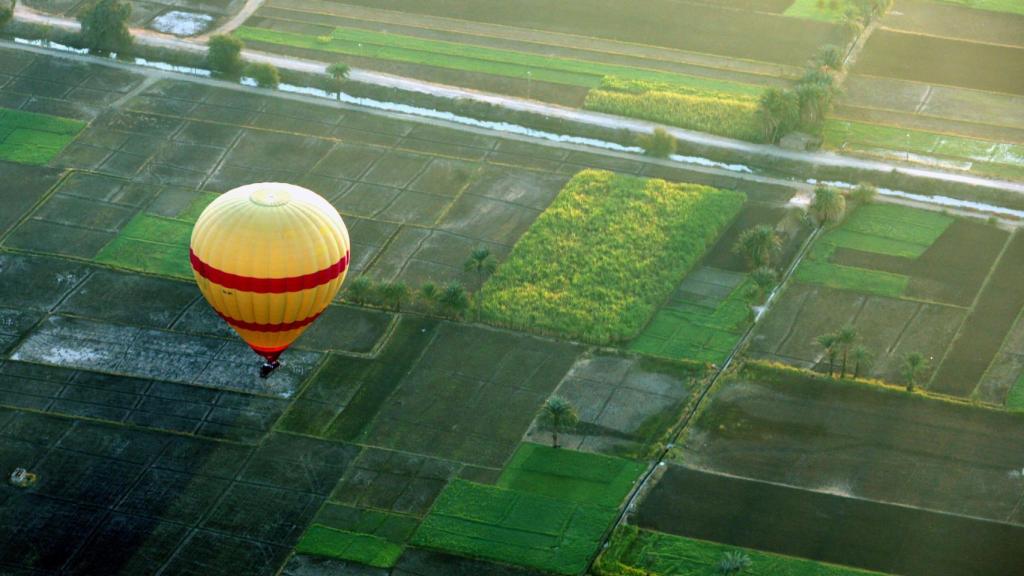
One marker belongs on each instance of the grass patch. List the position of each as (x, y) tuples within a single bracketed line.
[(702, 109), (469, 58), (825, 11), (516, 527), (1015, 399), (320, 540), (156, 244), (30, 138), (568, 475), (860, 135), (605, 254), (634, 552), (686, 330)]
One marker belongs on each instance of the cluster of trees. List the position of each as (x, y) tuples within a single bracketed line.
[(760, 247), (806, 105), (224, 57), (451, 300), (841, 347)]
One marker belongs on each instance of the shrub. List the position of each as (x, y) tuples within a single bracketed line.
[(265, 74), (224, 55), (863, 193), (6, 13), (605, 255), (105, 25), (360, 290), (659, 144)]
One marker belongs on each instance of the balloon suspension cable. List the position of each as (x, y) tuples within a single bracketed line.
[(267, 367)]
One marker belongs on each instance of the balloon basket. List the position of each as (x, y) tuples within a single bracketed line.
[(267, 367)]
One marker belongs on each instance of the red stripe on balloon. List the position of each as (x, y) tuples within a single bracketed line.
[(271, 354), (256, 327), (268, 285)]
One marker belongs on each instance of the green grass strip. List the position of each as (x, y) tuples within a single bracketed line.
[(634, 551), (822, 10), (36, 139), (850, 278), (363, 548), (458, 56), (569, 475), (898, 223), (840, 133)]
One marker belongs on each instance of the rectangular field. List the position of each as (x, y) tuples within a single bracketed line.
[(661, 554), (30, 138), (936, 60), (784, 520), (515, 527), (612, 292), (860, 440)]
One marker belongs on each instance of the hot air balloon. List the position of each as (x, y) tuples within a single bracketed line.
[(269, 258)]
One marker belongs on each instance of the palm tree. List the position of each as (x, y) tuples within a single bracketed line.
[(764, 279), (864, 193), (337, 73), (779, 111), (913, 364), (733, 562), (360, 290), (394, 293), (758, 245), (558, 415), (828, 205), (862, 358), (815, 101), (428, 295), (482, 262), (828, 342), (845, 339), (454, 299)]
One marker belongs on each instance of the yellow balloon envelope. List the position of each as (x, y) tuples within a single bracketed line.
[(269, 258)]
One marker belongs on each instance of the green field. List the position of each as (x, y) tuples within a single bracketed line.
[(696, 331), (636, 552), (1015, 399), (826, 11), (156, 244), (706, 110), (30, 138), (515, 527), (884, 229), (577, 476), (363, 548), (842, 134), (627, 241)]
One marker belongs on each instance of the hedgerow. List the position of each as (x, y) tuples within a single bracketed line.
[(606, 253)]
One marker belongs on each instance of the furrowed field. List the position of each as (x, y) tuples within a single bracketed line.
[(606, 253)]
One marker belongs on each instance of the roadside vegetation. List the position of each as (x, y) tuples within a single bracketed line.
[(598, 227)]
